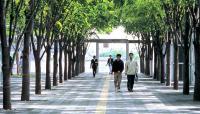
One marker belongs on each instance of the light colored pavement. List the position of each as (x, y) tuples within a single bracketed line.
[(87, 95)]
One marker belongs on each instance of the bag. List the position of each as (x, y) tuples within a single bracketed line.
[(136, 77)]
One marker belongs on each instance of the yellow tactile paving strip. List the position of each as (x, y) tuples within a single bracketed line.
[(101, 105)]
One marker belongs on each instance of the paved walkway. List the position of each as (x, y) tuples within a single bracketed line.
[(88, 95)]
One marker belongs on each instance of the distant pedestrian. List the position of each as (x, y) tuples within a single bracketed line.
[(117, 68), (131, 69), (110, 63), (94, 65)]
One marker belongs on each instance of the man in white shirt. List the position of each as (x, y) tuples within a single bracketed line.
[(131, 69)]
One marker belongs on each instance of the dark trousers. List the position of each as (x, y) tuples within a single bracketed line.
[(130, 82), (94, 70)]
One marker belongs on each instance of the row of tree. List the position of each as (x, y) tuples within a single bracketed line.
[(159, 23), (63, 25)]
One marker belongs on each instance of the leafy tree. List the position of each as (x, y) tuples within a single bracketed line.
[(145, 19)]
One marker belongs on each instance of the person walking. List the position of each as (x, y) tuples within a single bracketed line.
[(131, 69), (94, 65), (117, 68), (109, 63)]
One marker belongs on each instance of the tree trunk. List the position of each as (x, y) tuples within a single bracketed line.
[(78, 50), (5, 57), (73, 66), (142, 63), (36, 53), (168, 78), (66, 64), (73, 61), (84, 53), (155, 65), (27, 37), (48, 68), (83, 63), (6, 73), (80, 66), (162, 80), (38, 75), (77, 67), (176, 66), (186, 86), (196, 96), (55, 64), (159, 67), (146, 65), (69, 65), (17, 62), (60, 63), (81, 60), (25, 69), (148, 59)]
